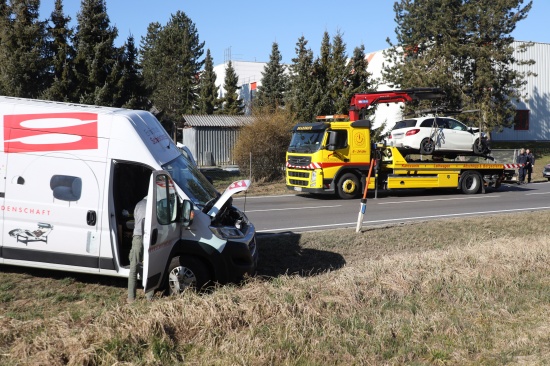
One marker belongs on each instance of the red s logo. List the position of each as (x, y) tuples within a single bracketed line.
[(50, 132)]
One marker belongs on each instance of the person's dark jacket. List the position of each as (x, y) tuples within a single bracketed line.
[(522, 159)]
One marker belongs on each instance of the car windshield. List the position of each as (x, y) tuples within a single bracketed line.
[(306, 141), (188, 177), (407, 123)]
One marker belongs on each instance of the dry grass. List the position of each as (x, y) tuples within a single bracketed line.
[(462, 291)]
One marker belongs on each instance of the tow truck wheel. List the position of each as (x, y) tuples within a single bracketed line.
[(427, 146), (348, 186), (471, 183), (186, 273)]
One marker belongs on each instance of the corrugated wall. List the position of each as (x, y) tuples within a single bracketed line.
[(189, 138), (538, 93), (214, 145)]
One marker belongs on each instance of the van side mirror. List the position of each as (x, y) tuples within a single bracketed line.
[(187, 213)]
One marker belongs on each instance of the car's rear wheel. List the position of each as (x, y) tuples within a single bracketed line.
[(427, 146), (348, 186), (471, 182)]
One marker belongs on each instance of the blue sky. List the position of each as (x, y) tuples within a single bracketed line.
[(246, 30)]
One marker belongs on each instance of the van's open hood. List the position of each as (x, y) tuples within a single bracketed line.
[(235, 187)]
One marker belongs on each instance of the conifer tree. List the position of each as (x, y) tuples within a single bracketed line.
[(338, 73), (465, 48), (60, 56), (302, 97), (5, 27), (23, 64), (322, 66), (171, 60), (274, 82), (208, 98), (131, 87), (95, 54), (232, 105), (360, 79)]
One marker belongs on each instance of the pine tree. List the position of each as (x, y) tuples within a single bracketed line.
[(338, 73), (95, 54), (23, 67), (302, 97), (131, 87), (322, 66), (171, 60), (60, 55), (208, 98), (5, 27), (360, 79), (274, 82), (232, 105), (463, 47)]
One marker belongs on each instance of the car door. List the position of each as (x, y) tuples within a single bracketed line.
[(162, 229), (460, 137), (441, 132)]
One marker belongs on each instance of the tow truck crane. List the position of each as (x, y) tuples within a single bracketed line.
[(335, 156)]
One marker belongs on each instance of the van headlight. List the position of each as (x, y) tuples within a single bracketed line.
[(226, 232)]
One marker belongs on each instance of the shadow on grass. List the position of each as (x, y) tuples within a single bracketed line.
[(282, 254), (86, 278)]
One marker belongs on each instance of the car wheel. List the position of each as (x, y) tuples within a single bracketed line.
[(186, 273), (427, 146), (471, 182), (480, 148), (348, 186)]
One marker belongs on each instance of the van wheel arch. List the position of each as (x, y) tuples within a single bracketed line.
[(187, 272)]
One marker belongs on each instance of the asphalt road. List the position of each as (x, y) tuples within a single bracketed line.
[(302, 212)]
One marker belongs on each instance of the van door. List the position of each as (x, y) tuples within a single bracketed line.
[(162, 229)]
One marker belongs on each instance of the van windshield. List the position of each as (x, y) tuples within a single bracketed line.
[(188, 177)]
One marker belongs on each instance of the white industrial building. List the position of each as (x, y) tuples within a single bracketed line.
[(533, 115)]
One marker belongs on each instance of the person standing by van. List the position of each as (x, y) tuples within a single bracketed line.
[(136, 253)]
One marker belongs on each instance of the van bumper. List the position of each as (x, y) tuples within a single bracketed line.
[(240, 259)]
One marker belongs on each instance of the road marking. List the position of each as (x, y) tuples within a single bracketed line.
[(405, 219), (437, 199), (529, 194), (292, 208), (254, 197)]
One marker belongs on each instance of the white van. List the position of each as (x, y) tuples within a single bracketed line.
[(72, 175)]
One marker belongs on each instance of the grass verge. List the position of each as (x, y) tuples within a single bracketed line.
[(462, 291)]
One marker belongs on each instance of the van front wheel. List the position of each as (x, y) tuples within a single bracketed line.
[(186, 273)]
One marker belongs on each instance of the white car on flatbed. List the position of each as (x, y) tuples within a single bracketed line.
[(429, 135)]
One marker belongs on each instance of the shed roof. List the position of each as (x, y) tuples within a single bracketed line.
[(204, 120)]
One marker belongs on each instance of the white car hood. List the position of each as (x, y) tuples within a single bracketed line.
[(235, 187)]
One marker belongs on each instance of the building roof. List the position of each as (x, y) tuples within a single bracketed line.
[(204, 120)]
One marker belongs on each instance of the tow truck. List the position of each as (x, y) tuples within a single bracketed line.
[(333, 156)]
